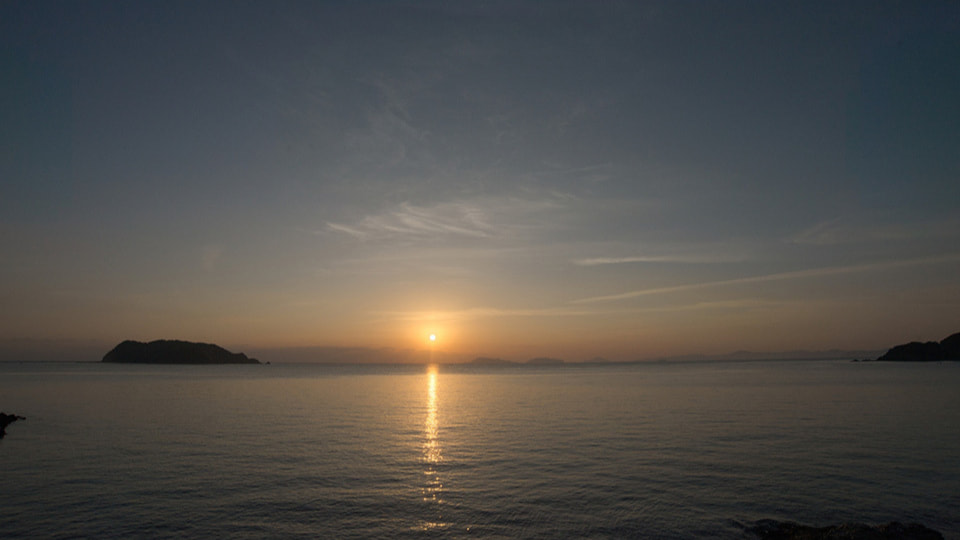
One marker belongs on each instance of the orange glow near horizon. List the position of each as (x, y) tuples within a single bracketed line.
[(429, 330)]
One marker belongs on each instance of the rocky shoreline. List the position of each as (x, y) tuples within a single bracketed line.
[(6, 420), (769, 529)]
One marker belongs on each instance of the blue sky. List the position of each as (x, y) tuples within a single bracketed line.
[(575, 179)]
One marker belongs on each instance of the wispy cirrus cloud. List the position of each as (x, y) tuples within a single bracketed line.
[(598, 261), (478, 218), (690, 258), (483, 313), (450, 219), (476, 313), (780, 276), (685, 253), (839, 231)]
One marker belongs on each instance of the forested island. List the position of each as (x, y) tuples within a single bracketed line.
[(166, 351)]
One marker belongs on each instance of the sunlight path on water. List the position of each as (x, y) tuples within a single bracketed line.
[(432, 490)]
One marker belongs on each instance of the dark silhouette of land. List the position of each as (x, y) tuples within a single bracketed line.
[(174, 352), (6, 420), (737, 356), (931, 351), (544, 361), (786, 530), (487, 361)]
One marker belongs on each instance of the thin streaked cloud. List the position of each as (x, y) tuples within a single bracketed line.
[(480, 218), (692, 259), (476, 313), (352, 231), (729, 251), (840, 231), (408, 220), (482, 313), (781, 276)]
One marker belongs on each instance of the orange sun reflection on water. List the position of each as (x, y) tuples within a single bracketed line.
[(431, 427), (432, 490)]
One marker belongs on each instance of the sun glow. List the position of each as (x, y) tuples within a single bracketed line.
[(432, 338)]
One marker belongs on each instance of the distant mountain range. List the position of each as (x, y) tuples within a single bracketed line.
[(832, 354), (51, 350), (539, 361)]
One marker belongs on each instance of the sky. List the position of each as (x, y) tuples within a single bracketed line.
[(624, 180)]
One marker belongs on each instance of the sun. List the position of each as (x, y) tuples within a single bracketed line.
[(432, 338)]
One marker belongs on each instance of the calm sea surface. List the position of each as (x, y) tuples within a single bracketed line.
[(641, 451)]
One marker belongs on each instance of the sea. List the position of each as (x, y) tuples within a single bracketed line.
[(654, 450)]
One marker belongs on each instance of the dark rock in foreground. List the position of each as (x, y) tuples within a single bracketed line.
[(786, 530), (951, 346), (931, 351), (174, 352), (6, 420)]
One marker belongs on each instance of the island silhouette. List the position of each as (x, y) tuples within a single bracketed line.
[(168, 351), (931, 351)]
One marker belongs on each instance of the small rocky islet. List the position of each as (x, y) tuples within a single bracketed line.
[(6, 420)]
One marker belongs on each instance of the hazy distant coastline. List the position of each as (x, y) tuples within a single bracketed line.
[(364, 355), (75, 350), (833, 354)]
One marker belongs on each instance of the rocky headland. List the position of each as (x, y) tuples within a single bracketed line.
[(6, 420), (931, 351), (166, 351)]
